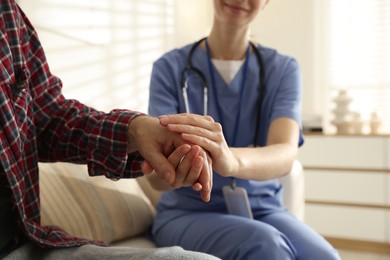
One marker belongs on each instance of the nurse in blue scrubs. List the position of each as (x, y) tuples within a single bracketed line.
[(247, 155)]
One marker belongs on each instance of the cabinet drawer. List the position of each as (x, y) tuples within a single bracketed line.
[(348, 222), (343, 152), (387, 155), (346, 186), (388, 190)]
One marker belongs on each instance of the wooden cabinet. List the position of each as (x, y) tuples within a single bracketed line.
[(348, 189), (344, 152)]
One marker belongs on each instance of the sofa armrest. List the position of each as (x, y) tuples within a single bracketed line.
[(294, 190), (92, 207)]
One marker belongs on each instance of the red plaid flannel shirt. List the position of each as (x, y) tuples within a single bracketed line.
[(39, 124)]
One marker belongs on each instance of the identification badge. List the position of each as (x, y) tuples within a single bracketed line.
[(237, 201)]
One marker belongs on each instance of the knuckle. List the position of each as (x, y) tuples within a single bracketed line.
[(209, 118), (218, 127), (219, 135)]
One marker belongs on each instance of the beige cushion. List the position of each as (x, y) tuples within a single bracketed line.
[(92, 207)]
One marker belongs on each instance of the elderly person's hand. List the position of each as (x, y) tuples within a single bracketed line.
[(167, 155)]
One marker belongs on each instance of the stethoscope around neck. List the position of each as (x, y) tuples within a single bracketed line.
[(189, 67)]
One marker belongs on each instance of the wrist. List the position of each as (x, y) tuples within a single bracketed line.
[(134, 129), (236, 163)]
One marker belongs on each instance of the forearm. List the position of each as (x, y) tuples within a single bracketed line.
[(255, 163), (264, 163)]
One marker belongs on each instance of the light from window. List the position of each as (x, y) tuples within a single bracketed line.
[(103, 50), (358, 54)]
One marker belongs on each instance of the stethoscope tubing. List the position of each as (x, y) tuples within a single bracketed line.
[(184, 81)]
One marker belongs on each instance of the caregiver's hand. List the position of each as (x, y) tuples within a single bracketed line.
[(205, 132)]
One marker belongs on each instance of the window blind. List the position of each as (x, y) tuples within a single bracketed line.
[(357, 54), (103, 50)]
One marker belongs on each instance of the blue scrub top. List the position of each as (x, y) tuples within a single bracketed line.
[(282, 99)]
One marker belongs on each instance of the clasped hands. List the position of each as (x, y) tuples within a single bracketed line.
[(170, 161), (182, 149)]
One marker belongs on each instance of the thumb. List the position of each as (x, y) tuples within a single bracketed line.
[(146, 167), (161, 166)]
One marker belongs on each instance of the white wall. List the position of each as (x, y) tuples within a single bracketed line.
[(103, 50), (288, 26), (193, 20)]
